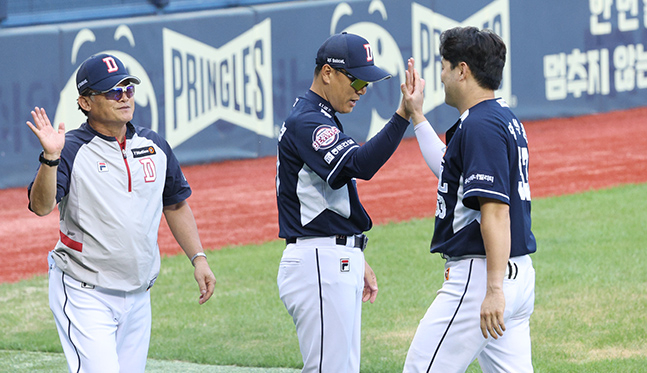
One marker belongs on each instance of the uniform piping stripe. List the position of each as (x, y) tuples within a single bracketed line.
[(339, 162), (320, 312), (469, 276), (512, 272), (516, 271), (69, 324), (74, 245)]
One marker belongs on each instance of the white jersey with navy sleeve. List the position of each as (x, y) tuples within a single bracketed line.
[(110, 199), (486, 156), (317, 164)]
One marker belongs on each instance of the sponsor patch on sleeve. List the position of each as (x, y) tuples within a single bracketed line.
[(324, 137), (332, 154), (479, 178)]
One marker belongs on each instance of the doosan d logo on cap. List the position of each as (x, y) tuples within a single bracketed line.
[(352, 53), (102, 72)]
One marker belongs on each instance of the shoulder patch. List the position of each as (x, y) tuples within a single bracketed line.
[(324, 137)]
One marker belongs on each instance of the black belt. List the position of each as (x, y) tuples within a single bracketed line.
[(360, 240)]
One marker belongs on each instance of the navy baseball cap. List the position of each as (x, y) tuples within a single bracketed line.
[(352, 53), (101, 72)]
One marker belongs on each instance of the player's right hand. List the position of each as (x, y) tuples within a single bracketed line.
[(370, 284), (492, 310), (50, 139), (412, 95)]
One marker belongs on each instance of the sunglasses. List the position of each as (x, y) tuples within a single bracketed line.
[(117, 92), (357, 84)]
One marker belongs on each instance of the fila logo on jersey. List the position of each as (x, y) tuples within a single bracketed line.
[(324, 137), (102, 166), (143, 152), (344, 265)]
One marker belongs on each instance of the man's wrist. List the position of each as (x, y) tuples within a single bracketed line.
[(401, 112), (46, 160), (418, 118), (200, 254)]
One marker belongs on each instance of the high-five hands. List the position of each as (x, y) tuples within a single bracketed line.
[(412, 95)]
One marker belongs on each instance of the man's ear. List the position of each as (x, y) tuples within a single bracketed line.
[(326, 72), (84, 102), (464, 69)]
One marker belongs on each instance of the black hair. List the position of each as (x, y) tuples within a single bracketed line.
[(482, 50), (318, 70)]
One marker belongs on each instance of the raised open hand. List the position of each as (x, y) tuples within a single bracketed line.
[(50, 139), (412, 94)]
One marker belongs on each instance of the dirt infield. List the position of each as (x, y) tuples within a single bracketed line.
[(234, 202)]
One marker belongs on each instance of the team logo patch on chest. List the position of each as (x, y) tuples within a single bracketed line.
[(324, 137), (344, 265), (143, 152)]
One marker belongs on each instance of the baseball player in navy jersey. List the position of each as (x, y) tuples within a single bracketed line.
[(482, 225), (112, 181), (323, 277)]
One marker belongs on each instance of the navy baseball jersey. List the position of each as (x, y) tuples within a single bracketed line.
[(317, 164), (486, 156)]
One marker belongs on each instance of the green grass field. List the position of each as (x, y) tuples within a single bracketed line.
[(589, 315)]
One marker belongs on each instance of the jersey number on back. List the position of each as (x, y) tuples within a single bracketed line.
[(524, 185), (441, 206)]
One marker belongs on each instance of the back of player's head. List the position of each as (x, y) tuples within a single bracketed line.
[(482, 50)]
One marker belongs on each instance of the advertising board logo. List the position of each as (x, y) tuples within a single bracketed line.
[(203, 84), (68, 113), (427, 26), (385, 52)]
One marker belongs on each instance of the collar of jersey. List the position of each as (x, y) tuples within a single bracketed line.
[(320, 102), (130, 131)]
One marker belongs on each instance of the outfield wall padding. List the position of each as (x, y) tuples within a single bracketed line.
[(217, 84)]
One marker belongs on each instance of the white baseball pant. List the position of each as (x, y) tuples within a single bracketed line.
[(449, 338), (321, 285), (101, 330)]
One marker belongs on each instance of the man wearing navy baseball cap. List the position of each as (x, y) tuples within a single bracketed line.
[(323, 277), (112, 181), (353, 54), (102, 72)]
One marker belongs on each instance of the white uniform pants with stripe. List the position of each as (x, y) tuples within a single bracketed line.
[(321, 287), (449, 339), (101, 330)]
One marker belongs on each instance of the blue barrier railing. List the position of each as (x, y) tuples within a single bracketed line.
[(18, 13)]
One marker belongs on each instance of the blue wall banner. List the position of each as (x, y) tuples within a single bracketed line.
[(217, 84)]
